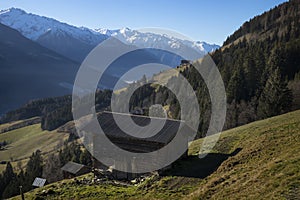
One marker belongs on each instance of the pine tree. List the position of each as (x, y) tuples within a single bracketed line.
[(276, 98), (236, 88), (7, 177), (86, 158), (34, 168), (51, 170)]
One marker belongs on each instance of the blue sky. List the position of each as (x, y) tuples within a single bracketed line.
[(210, 20)]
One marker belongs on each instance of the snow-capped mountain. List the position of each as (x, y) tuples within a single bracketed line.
[(76, 42), (155, 40), (70, 41), (33, 26)]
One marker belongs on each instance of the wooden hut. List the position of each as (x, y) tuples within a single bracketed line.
[(135, 144), (72, 169)]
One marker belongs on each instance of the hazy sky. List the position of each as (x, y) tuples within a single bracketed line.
[(210, 20)]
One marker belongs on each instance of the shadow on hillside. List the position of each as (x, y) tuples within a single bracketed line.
[(196, 167)]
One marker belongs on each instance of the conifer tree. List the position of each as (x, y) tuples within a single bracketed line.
[(7, 176), (276, 98), (34, 168)]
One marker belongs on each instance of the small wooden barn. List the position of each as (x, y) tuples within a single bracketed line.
[(72, 169), (138, 145)]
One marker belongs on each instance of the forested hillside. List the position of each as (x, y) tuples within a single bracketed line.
[(54, 111), (260, 66), (280, 22)]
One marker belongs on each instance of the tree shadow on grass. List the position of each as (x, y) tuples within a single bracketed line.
[(196, 167)]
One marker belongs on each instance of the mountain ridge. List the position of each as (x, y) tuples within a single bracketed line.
[(12, 16), (34, 27), (262, 26), (37, 72)]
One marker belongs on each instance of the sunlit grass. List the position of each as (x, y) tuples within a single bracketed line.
[(24, 141)]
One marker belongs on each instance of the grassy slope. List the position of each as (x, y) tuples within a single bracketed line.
[(24, 141), (267, 167), (161, 77), (6, 125)]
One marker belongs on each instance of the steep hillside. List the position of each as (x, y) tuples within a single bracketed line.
[(281, 21), (259, 161), (70, 41), (260, 71), (22, 142), (267, 167), (30, 71)]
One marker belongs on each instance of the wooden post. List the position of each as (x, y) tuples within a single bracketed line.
[(93, 168), (21, 193), (92, 155)]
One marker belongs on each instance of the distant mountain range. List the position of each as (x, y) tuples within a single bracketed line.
[(148, 39), (76, 42), (39, 56)]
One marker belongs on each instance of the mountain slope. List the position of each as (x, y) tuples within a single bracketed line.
[(257, 63), (24, 141), (281, 21), (29, 71), (266, 166), (70, 41)]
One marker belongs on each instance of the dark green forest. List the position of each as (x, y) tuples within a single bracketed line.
[(54, 111)]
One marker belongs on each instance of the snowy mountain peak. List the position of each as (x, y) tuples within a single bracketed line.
[(155, 40), (124, 30), (12, 10), (33, 26)]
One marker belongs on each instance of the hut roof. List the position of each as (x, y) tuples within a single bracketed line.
[(164, 136), (72, 167), (39, 182)]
